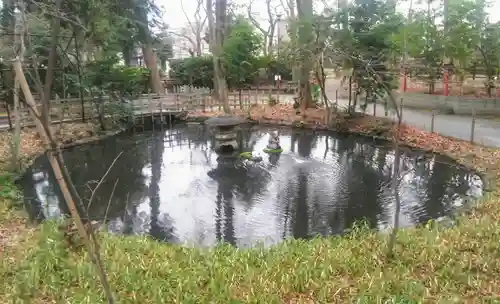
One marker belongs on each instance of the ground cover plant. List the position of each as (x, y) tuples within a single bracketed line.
[(431, 263)]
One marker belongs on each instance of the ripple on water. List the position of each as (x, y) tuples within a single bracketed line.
[(171, 186)]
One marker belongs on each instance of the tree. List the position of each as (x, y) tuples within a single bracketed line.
[(194, 32), (194, 71), (371, 25), (141, 14), (267, 33), (426, 46), (462, 36), (291, 18), (241, 49), (163, 45), (218, 32), (305, 40), (488, 47)]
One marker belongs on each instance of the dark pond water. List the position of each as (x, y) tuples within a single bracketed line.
[(172, 186)]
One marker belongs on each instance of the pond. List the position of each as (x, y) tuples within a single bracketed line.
[(171, 185)]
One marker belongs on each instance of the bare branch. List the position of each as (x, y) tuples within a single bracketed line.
[(289, 8), (254, 21), (102, 179), (180, 35), (187, 17), (272, 21), (196, 27)]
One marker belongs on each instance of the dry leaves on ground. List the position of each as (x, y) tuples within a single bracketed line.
[(32, 145), (11, 235), (279, 113), (370, 125)]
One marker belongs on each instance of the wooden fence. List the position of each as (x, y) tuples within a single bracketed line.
[(73, 109), (285, 87)]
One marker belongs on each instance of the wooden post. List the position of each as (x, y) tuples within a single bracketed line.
[(142, 113), (350, 95), (151, 109), (240, 100), (401, 109), (161, 112), (210, 102), (473, 125), (336, 101), (278, 86), (433, 117), (405, 80), (46, 134), (134, 112), (204, 102), (446, 82)]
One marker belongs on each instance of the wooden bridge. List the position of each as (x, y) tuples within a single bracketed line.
[(74, 109)]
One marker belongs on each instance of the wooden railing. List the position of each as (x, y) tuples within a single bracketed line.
[(72, 109)]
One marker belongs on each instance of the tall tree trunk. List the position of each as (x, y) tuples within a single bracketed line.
[(147, 51), (8, 23), (198, 43), (305, 33), (151, 63), (56, 26), (217, 31), (292, 19), (127, 51), (20, 49), (270, 40)]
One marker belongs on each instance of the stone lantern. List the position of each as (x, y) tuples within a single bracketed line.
[(225, 131)]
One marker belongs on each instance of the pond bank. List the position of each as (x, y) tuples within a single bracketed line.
[(14, 228), (432, 263)]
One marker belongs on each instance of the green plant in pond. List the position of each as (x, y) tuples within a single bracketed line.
[(246, 155), (300, 124)]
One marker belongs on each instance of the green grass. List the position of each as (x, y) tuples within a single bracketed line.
[(431, 264), (10, 198)]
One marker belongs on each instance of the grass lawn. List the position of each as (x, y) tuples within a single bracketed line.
[(431, 264)]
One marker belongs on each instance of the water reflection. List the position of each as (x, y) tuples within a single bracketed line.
[(172, 186)]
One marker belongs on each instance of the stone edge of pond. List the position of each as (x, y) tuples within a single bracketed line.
[(383, 136), (478, 163), (68, 143), (468, 163), (16, 232), (91, 139), (471, 203)]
